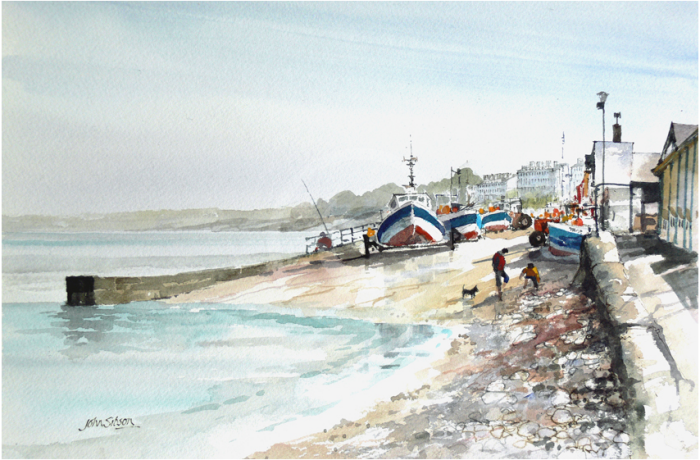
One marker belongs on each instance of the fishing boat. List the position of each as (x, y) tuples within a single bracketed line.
[(462, 219), (411, 219), (567, 233), (565, 239), (495, 220)]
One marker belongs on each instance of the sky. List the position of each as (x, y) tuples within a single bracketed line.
[(110, 107)]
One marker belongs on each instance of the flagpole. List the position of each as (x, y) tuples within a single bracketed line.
[(562, 145)]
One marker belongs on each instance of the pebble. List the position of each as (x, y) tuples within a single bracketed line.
[(583, 442), (491, 397), (498, 432), (496, 386), (528, 429), (560, 398), (562, 416), (520, 444)]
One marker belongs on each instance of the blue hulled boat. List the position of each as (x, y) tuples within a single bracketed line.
[(565, 240), (496, 221), (411, 219)]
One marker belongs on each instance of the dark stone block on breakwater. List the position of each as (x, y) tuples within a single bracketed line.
[(80, 290)]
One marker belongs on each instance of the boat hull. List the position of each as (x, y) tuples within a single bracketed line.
[(410, 224), (496, 221), (565, 240), (466, 222)]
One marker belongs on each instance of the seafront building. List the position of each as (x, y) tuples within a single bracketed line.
[(576, 172), (536, 179), (678, 175), (627, 191), (543, 178), (496, 186)]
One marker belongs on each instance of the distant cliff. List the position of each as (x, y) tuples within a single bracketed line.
[(345, 209)]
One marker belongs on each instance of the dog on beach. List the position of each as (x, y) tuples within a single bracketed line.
[(472, 292)]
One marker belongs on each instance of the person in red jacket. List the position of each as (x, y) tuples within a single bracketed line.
[(499, 264)]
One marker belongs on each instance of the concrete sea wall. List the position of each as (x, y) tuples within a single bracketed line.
[(112, 290), (644, 363)]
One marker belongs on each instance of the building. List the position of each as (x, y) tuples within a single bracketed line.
[(678, 177), (576, 172), (541, 178), (495, 186), (627, 192)]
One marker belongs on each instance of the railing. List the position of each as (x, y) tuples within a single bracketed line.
[(340, 237)]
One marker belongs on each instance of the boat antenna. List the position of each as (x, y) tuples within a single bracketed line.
[(411, 161), (319, 212)]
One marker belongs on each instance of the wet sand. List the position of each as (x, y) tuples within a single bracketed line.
[(399, 286), (528, 376)]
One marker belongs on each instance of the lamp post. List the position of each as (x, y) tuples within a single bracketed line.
[(601, 106)]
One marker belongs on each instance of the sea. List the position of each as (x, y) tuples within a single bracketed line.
[(183, 380)]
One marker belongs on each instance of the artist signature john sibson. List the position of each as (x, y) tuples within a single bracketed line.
[(110, 422)]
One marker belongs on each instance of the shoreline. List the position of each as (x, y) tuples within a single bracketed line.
[(394, 287)]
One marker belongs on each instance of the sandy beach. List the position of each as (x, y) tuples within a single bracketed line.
[(404, 286), (528, 376)]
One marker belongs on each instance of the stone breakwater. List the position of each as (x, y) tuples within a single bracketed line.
[(536, 381)]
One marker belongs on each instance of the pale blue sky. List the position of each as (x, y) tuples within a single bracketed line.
[(130, 106)]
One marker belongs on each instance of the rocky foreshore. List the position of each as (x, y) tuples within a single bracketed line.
[(534, 382), (528, 377)]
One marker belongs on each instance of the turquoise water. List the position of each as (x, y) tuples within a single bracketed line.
[(64, 365), (240, 375)]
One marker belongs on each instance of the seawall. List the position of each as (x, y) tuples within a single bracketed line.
[(643, 361), (112, 290)]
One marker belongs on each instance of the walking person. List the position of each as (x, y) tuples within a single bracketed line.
[(499, 264), (530, 273)]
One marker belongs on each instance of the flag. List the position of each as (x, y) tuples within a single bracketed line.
[(562, 137)]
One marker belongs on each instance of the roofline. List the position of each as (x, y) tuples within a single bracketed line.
[(658, 169)]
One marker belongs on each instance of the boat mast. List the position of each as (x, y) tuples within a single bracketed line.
[(319, 212), (411, 161)]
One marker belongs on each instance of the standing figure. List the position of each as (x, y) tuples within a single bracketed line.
[(530, 273), (499, 264), (370, 239)]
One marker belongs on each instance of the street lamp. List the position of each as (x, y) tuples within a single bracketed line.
[(601, 106)]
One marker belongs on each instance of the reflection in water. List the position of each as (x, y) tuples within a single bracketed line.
[(91, 330), (84, 329)]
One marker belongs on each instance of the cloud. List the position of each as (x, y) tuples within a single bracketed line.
[(231, 104)]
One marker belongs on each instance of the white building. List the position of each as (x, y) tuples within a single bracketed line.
[(577, 171), (495, 186), (542, 178)]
